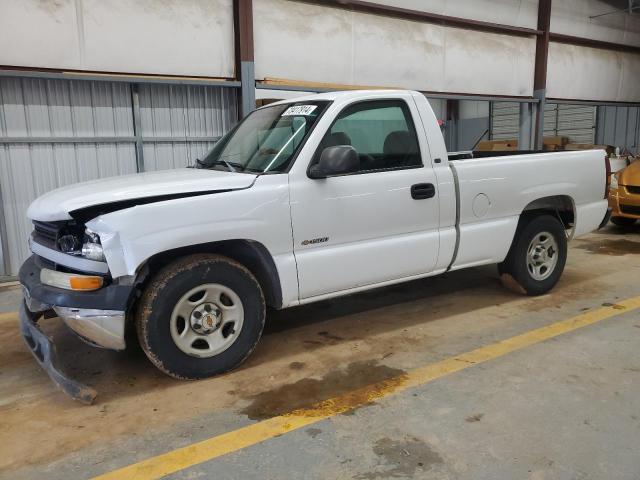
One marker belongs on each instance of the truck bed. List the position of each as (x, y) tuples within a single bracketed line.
[(495, 187)]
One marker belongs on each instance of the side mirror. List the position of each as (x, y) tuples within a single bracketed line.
[(337, 160)]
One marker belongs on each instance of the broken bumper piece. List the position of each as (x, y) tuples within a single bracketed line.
[(44, 352)]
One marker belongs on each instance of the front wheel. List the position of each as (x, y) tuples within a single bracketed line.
[(537, 257), (200, 316)]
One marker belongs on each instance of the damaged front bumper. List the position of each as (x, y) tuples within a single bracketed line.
[(44, 352), (98, 317)]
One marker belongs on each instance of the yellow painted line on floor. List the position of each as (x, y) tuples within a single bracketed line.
[(185, 457)]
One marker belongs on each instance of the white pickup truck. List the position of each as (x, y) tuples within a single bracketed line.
[(303, 200)]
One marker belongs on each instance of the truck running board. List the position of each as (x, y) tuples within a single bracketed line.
[(45, 353)]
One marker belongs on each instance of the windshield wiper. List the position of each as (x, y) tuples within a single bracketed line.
[(232, 166)]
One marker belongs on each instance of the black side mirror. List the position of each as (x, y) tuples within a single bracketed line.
[(337, 160)]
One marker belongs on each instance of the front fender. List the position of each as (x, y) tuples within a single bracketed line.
[(261, 214)]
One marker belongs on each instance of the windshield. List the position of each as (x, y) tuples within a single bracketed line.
[(267, 140)]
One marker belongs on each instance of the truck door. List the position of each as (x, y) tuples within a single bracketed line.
[(376, 224)]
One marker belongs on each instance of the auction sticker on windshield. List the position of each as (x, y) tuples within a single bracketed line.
[(299, 110)]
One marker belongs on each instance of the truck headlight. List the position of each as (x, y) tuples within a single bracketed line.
[(91, 248), (614, 181)]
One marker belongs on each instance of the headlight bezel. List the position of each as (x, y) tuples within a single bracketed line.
[(91, 246)]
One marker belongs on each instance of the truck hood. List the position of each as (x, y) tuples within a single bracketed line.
[(122, 192)]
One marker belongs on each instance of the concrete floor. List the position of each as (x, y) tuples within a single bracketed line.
[(566, 408)]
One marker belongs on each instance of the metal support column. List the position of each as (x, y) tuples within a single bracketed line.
[(137, 126), (524, 131), (245, 70), (540, 73), (452, 116), (248, 89), (5, 265)]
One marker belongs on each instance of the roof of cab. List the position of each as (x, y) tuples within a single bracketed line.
[(342, 95)]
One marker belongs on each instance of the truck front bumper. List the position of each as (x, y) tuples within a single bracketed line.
[(624, 203), (44, 352), (97, 317)]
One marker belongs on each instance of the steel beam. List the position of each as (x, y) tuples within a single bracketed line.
[(482, 98), (593, 103), (593, 43), (6, 140), (442, 95), (245, 70), (540, 71), (115, 77), (452, 115), (5, 262), (137, 126), (524, 131), (426, 17)]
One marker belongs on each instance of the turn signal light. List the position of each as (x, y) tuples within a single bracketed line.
[(85, 283), (70, 281)]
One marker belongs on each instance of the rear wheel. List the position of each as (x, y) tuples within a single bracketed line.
[(537, 257), (623, 221), (200, 316)]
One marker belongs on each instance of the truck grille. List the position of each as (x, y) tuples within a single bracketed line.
[(633, 189), (47, 230), (630, 209)]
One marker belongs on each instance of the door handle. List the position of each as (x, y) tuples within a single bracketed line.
[(421, 191)]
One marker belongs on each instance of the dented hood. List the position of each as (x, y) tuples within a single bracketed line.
[(123, 191)]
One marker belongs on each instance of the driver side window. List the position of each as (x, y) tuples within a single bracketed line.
[(381, 132)]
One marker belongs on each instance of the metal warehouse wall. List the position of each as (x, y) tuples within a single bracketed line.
[(585, 73), (58, 132), (583, 18), (345, 47), (619, 126), (193, 116), (188, 37), (519, 13)]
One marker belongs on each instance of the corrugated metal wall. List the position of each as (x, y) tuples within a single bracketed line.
[(578, 122), (193, 117), (620, 127), (34, 111), (504, 120), (58, 132), (574, 121)]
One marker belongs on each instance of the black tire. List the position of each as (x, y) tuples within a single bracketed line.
[(514, 271), (623, 221), (169, 286)]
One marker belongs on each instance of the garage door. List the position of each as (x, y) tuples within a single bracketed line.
[(574, 121), (58, 132)]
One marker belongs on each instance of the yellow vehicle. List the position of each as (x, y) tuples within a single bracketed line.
[(624, 196)]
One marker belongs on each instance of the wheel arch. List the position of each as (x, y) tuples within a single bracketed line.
[(253, 255), (560, 206)]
